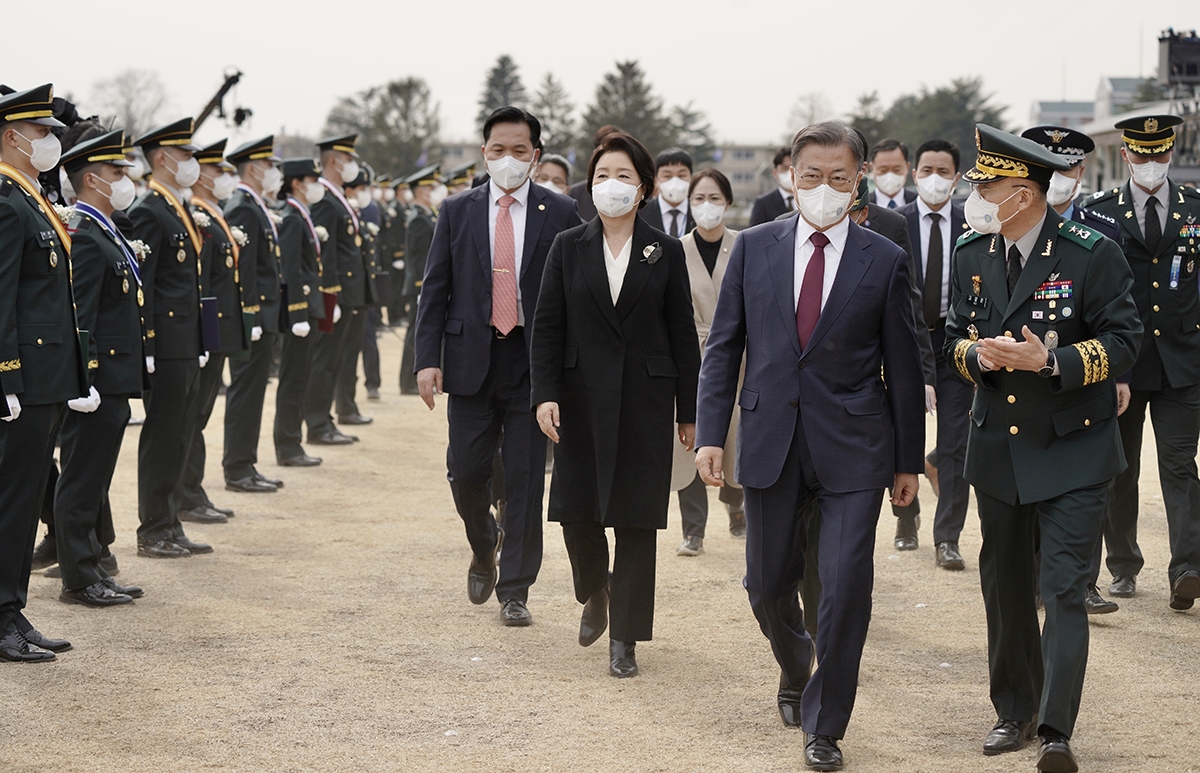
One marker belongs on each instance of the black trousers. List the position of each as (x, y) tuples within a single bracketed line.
[(347, 369), (1175, 414), (295, 360), (370, 349), (26, 454), (631, 593), (326, 357), (954, 398), (476, 421), (91, 443), (693, 505), (395, 296), (190, 492), (244, 408), (778, 522), (171, 410), (408, 379), (1032, 671)]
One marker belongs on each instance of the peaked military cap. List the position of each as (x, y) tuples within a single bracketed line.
[(106, 149), (427, 176), (172, 135), (463, 173), (214, 155), (34, 105), (344, 144), (1001, 155), (1149, 135), (365, 173), (384, 180), (861, 199), (1070, 144), (301, 167), (255, 150)]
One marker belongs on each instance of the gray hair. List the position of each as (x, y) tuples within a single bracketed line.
[(554, 158), (829, 134)]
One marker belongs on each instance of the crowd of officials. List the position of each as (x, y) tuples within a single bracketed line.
[(616, 319)]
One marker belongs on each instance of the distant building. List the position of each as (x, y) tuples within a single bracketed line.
[(1115, 95), (750, 172), (1069, 114), (455, 153)]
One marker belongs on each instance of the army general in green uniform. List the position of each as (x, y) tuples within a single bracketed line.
[(1041, 321)]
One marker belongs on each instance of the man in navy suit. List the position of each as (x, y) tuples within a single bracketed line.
[(481, 285), (889, 169), (781, 200), (818, 306), (934, 223)]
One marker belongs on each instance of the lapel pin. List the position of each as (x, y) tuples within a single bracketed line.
[(541, 207), (651, 254)]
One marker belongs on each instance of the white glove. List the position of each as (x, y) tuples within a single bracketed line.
[(301, 329), (204, 359), (14, 407), (255, 333), (337, 314), (85, 404), (398, 264), (150, 364)]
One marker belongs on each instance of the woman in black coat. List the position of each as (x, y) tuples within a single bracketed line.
[(615, 362)]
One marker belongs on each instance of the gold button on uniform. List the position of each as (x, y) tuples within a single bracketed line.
[(111, 352), (170, 313), (1154, 285), (53, 259), (1008, 333), (181, 256), (39, 342), (1156, 307), (1087, 422), (1013, 430), (1157, 332), (1012, 399), (1154, 261)]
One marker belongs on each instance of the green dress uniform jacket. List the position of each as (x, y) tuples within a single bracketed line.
[(1170, 314), (170, 278), (344, 261), (418, 237), (1034, 438), (258, 260), (219, 278)]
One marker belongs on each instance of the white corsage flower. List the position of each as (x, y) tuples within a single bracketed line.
[(276, 218), (239, 236), (322, 233), (374, 229), (65, 214), (201, 218), (140, 249)]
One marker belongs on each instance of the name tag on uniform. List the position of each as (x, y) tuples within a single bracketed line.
[(978, 300), (1053, 290)]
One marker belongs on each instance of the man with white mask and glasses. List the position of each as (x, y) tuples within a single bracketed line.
[(481, 284), (1160, 228), (889, 171)]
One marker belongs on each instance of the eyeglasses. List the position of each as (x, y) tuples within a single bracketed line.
[(841, 182)]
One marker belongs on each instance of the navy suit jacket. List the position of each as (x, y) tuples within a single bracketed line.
[(860, 430), (958, 227), (454, 312)]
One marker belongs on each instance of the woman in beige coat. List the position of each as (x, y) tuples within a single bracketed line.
[(707, 250)]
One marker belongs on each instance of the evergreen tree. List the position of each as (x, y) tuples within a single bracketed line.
[(502, 87), (693, 133), (553, 108), (396, 124), (624, 98)]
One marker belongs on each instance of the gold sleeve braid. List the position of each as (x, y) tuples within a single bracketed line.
[(960, 358), (11, 365), (1095, 361), (297, 306)]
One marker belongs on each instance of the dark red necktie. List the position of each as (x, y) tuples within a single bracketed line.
[(808, 310)]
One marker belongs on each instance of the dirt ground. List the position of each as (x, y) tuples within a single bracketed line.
[(330, 630)]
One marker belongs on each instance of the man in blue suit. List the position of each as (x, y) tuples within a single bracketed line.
[(819, 307), (481, 285)]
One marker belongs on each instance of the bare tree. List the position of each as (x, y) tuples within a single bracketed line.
[(809, 108), (133, 97)]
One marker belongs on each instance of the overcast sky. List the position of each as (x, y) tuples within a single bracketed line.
[(743, 63)]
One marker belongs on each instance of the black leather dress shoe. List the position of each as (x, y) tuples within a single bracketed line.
[(258, 476), (161, 549), (95, 595), (821, 753), (948, 556), (482, 574), (621, 661), (906, 532), (15, 648), (45, 554), (788, 700), (1009, 736), (250, 485), (330, 439), (303, 460), (594, 620), (1097, 604), (54, 571), (1185, 589), (373, 393), (789, 712), (354, 419), (38, 639), (514, 613), (191, 547), (1123, 586), (132, 591), (225, 511), (1055, 756), (201, 515)]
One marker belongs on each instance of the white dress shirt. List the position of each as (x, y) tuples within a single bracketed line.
[(1140, 197), (947, 246), (616, 266), (665, 207), (516, 212), (833, 256), (789, 199), (882, 199)]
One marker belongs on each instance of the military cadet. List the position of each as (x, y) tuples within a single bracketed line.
[(1041, 321), (460, 178), (391, 252), (174, 346), (108, 298), (1074, 146), (41, 364), (422, 217), (358, 193), (300, 255), (369, 202), (221, 299), (1160, 228)]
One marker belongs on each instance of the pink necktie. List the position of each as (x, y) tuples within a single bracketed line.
[(504, 271), (808, 310)]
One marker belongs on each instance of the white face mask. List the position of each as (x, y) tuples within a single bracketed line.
[(272, 181), (984, 216), (890, 183), (389, 195), (138, 170), (614, 198), (120, 193), (1062, 189), (550, 186), (508, 172), (708, 215), (362, 199), (785, 181), (673, 190), (350, 170), (823, 206), (223, 186), (64, 185), (187, 172), (314, 192), (46, 151), (1149, 175), (438, 195), (934, 189)]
